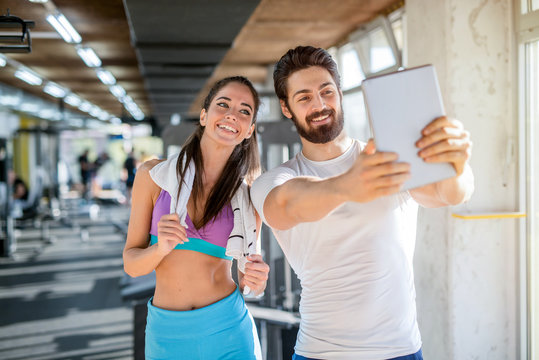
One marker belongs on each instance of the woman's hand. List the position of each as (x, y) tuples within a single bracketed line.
[(170, 233), (256, 274)]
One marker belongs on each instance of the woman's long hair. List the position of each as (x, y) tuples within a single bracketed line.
[(243, 163)]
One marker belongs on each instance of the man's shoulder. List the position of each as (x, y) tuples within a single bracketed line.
[(289, 167), (275, 176)]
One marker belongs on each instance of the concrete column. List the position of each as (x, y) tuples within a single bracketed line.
[(466, 270)]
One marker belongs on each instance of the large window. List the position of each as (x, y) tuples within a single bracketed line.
[(528, 34), (532, 111), (374, 49)]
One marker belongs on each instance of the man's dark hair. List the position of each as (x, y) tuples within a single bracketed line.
[(300, 58)]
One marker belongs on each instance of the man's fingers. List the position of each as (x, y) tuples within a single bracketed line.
[(441, 135), (393, 180), (448, 156), (370, 148), (379, 158), (440, 122), (386, 169), (448, 145)]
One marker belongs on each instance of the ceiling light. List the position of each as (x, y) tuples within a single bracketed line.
[(72, 100), (47, 114), (117, 91), (95, 111), (126, 100), (134, 111), (139, 115), (54, 90), (70, 29), (106, 77), (89, 57), (85, 106), (103, 115), (175, 119), (10, 100), (29, 107), (115, 121), (28, 75), (64, 28), (3, 60), (38, 1)]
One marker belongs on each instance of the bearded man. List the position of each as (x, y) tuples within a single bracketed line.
[(345, 226)]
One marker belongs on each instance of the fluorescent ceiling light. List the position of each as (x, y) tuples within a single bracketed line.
[(28, 76), (72, 100), (29, 107), (85, 106), (10, 100), (95, 111), (135, 111), (70, 29), (139, 115), (175, 119), (106, 77), (64, 28), (117, 91), (39, 1), (103, 115), (54, 90), (3, 60), (89, 57), (47, 114), (127, 100), (115, 121)]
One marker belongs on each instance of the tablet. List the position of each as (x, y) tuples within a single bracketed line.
[(399, 105)]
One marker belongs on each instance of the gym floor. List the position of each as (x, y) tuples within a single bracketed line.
[(60, 296)]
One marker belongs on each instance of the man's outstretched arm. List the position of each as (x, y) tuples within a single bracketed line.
[(308, 199)]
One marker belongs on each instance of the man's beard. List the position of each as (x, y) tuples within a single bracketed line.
[(321, 134)]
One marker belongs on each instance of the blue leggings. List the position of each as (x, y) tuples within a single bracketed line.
[(417, 356), (223, 330)]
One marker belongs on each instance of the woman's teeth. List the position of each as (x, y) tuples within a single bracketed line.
[(226, 127)]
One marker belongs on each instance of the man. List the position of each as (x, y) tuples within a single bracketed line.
[(344, 225), (130, 167), (85, 173)]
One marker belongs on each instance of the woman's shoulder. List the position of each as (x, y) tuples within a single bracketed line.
[(149, 164), (143, 173)]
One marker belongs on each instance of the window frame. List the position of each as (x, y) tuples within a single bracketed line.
[(527, 32)]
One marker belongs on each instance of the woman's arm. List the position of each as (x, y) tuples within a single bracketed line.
[(139, 258)]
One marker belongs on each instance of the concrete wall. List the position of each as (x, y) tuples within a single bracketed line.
[(466, 270)]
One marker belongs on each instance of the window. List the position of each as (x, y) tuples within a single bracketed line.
[(532, 115), (528, 6), (356, 123), (373, 49), (528, 35), (350, 68)]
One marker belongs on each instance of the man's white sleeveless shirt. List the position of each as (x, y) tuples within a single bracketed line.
[(355, 267)]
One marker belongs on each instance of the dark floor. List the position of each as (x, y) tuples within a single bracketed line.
[(62, 300)]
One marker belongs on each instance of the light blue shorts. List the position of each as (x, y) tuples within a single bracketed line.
[(223, 330)]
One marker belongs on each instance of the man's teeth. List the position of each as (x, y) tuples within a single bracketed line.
[(226, 127), (320, 118)]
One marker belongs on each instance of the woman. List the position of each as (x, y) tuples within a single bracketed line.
[(197, 311)]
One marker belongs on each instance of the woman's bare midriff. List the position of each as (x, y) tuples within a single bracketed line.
[(188, 280)]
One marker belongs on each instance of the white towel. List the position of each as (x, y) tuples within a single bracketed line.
[(243, 240)]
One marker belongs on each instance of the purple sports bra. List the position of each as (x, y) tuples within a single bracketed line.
[(211, 239)]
